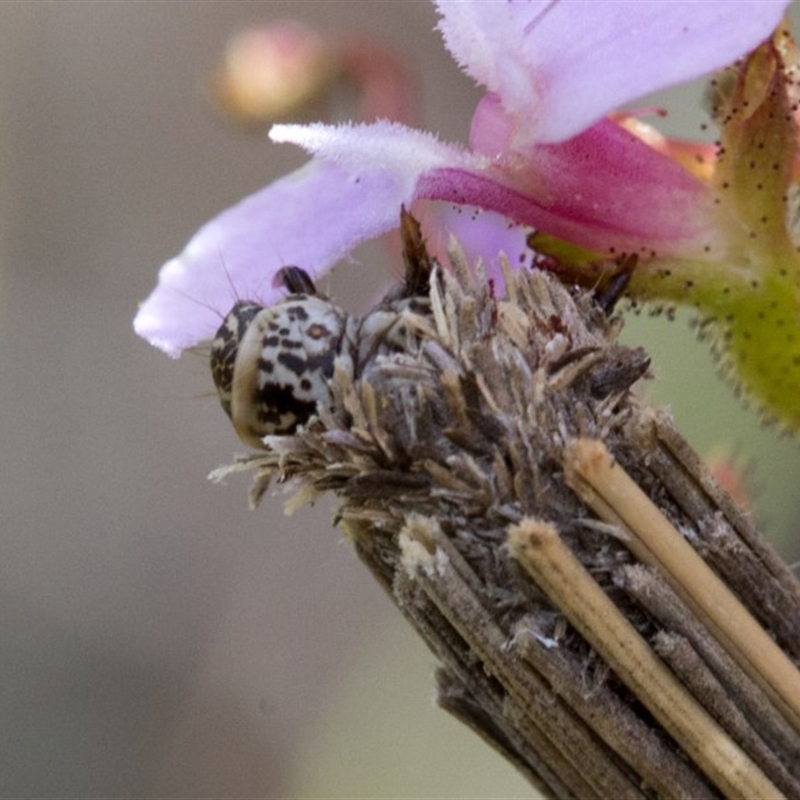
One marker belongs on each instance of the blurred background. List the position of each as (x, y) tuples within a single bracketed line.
[(157, 638)]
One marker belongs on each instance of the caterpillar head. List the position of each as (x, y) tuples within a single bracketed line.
[(271, 365)]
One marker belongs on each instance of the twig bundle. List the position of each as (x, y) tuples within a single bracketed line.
[(603, 612)]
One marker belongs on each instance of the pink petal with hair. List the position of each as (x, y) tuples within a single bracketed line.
[(560, 65)]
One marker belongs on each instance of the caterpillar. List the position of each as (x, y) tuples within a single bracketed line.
[(271, 366)]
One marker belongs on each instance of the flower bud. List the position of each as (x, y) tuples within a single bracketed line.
[(273, 72)]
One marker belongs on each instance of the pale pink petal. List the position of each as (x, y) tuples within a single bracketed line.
[(483, 235), (560, 65), (605, 189), (406, 152), (310, 218)]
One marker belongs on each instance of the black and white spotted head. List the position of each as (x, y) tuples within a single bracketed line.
[(271, 366)]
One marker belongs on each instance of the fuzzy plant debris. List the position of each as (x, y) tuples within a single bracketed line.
[(603, 613)]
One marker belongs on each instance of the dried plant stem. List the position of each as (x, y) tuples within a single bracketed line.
[(538, 547), (604, 486), (603, 613), (712, 664), (442, 581)]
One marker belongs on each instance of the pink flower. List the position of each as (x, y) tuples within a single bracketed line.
[(542, 153)]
